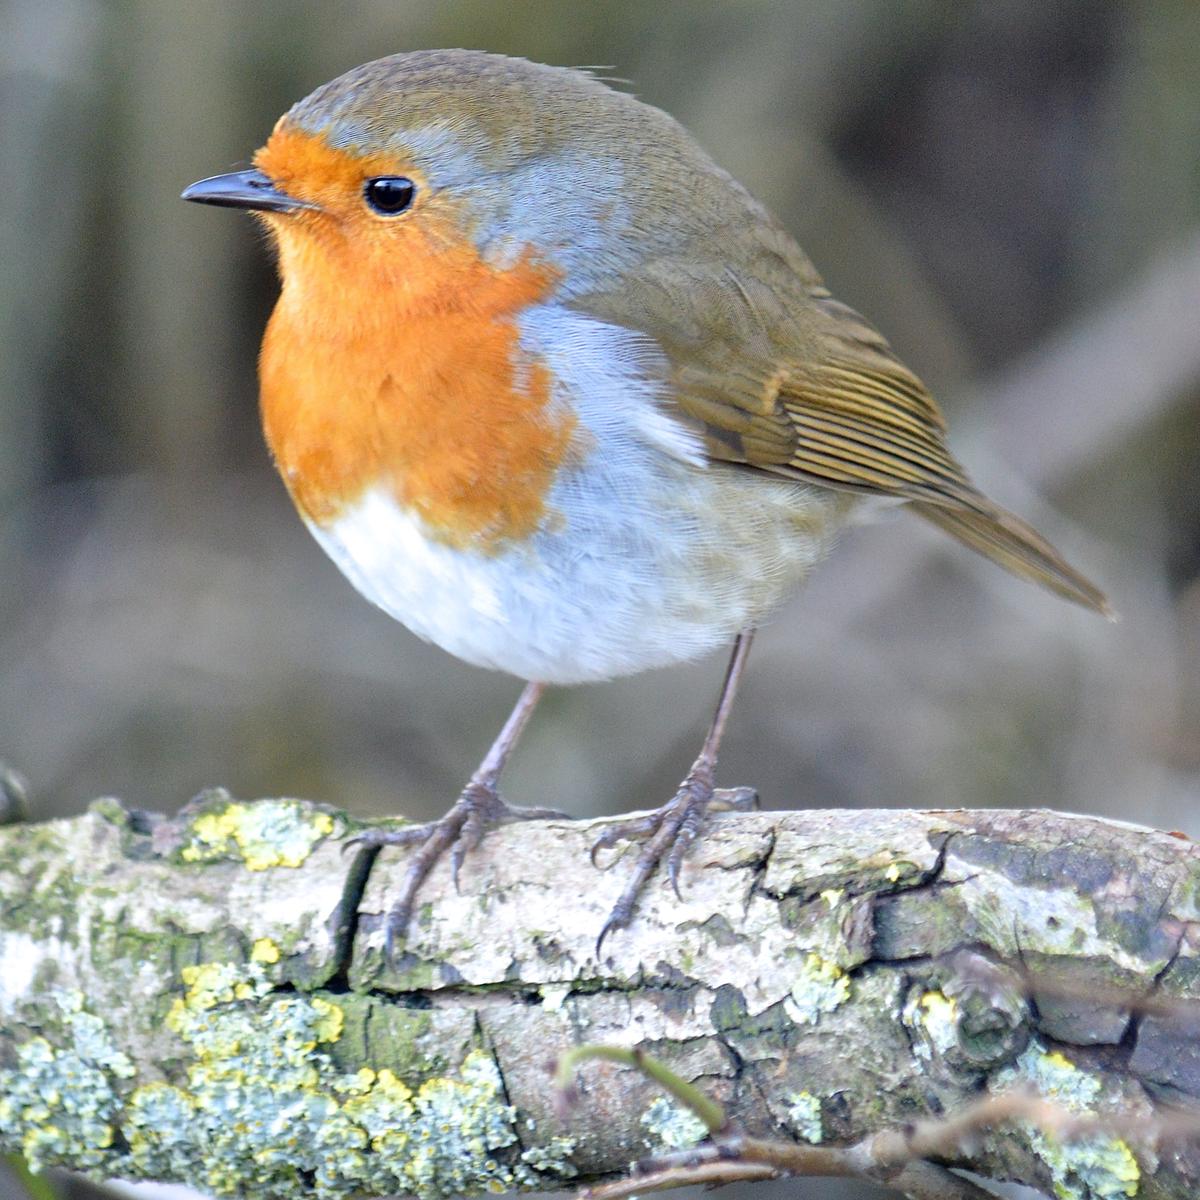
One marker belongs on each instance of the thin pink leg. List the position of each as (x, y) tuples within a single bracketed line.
[(669, 831), (462, 828)]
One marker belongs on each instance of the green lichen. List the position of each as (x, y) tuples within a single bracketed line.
[(41, 898), (383, 1032), (820, 987), (671, 1126), (1090, 1167), (60, 1105), (804, 1116), (269, 833), (263, 1109)]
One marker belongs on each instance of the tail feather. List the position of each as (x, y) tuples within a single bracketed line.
[(1017, 547)]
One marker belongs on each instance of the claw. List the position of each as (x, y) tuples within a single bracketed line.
[(611, 924), (669, 833), (459, 832), (601, 843), (457, 854), (674, 859)]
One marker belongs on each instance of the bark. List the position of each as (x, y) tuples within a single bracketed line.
[(207, 999)]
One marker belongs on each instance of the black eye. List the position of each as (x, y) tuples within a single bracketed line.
[(389, 194)]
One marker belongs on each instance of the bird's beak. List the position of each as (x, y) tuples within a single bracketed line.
[(243, 189)]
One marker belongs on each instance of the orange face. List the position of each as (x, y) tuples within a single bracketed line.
[(392, 359)]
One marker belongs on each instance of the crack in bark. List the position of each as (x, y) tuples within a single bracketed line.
[(758, 870), (345, 918), (843, 1038)]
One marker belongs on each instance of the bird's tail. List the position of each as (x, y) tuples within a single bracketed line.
[(1017, 547)]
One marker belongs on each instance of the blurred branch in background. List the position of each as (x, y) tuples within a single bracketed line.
[(1010, 191), (1103, 380), (1000, 184)]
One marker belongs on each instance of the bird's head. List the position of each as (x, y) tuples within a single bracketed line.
[(416, 163)]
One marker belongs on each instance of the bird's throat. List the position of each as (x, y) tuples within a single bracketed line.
[(411, 378)]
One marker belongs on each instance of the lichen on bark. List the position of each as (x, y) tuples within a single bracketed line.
[(207, 999)]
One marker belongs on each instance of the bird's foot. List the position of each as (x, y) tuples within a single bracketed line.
[(459, 831), (667, 834)]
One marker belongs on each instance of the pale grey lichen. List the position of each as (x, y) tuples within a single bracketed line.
[(933, 1018), (552, 1157), (1089, 1167), (672, 1126), (804, 1117), (262, 1109), (820, 987), (64, 1102), (554, 995)]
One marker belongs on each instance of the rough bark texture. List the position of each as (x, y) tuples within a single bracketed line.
[(207, 1000)]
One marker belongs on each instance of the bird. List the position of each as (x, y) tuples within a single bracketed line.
[(553, 390)]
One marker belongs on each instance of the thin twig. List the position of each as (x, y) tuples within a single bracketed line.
[(946, 1136), (707, 1110)]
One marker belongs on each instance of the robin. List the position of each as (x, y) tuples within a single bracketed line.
[(552, 389)]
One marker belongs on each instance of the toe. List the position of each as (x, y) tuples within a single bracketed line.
[(376, 836), (668, 834), (457, 833)]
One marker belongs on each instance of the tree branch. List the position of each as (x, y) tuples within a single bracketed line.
[(207, 1000)]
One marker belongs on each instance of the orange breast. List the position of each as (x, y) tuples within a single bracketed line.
[(393, 361)]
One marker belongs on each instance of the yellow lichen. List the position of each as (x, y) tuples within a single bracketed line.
[(264, 951), (58, 1102), (804, 1116), (1090, 1167), (257, 1105), (933, 1017), (332, 1021), (820, 987), (269, 833), (263, 1105)]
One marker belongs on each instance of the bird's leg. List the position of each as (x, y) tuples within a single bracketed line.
[(670, 830), (461, 829)]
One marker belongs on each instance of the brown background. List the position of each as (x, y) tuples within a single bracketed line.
[(1011, 190)]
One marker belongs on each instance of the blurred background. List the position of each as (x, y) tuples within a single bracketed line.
[(1009, 189)]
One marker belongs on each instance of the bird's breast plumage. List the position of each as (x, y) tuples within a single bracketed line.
[(489, 460), (644, 555)]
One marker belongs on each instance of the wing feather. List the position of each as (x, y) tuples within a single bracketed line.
[(782, 377)]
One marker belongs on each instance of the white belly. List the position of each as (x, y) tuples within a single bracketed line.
[(646, 557)]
